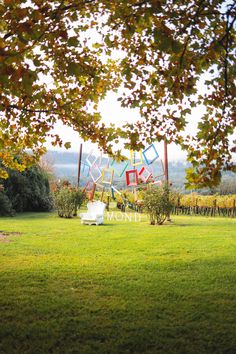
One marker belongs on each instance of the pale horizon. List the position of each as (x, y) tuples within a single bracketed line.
[(112, 112)]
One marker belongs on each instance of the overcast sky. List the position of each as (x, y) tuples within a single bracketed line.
[(112, 111)]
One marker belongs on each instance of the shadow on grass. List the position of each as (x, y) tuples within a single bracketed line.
[(88, 311), (31, 215)]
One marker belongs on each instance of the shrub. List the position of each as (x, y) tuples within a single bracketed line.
[(158, 204), (29, 190), (79, 196), (5, 205), (67, 200)]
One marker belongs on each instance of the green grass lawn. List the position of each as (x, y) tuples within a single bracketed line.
[(125, 287)]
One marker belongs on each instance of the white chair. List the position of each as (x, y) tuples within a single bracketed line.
[(94, 214)]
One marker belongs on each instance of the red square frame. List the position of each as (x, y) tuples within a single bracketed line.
[(131, 172), (142, 176)]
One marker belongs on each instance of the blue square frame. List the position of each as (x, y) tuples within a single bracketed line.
[(85, 169), (149, 162)]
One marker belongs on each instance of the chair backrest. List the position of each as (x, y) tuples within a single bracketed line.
[(96, 207)]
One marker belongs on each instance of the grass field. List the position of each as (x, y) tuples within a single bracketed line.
[(125, 287)]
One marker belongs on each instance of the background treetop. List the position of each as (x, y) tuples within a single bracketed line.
[(56, 64)]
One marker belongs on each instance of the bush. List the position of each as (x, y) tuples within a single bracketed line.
[(67, 200), (158, 204), (29, 190), (5, 205)]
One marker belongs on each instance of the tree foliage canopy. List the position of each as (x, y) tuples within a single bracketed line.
[(172, 56)]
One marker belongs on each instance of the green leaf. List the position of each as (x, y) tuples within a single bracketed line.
[(28, 80), (4, 79), (74, 69), (22, 39), (176, 46), (165, 43), (73, 42), (67, 145), (36, 62)]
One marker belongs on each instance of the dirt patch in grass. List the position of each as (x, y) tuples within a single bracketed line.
[(5, 236)]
